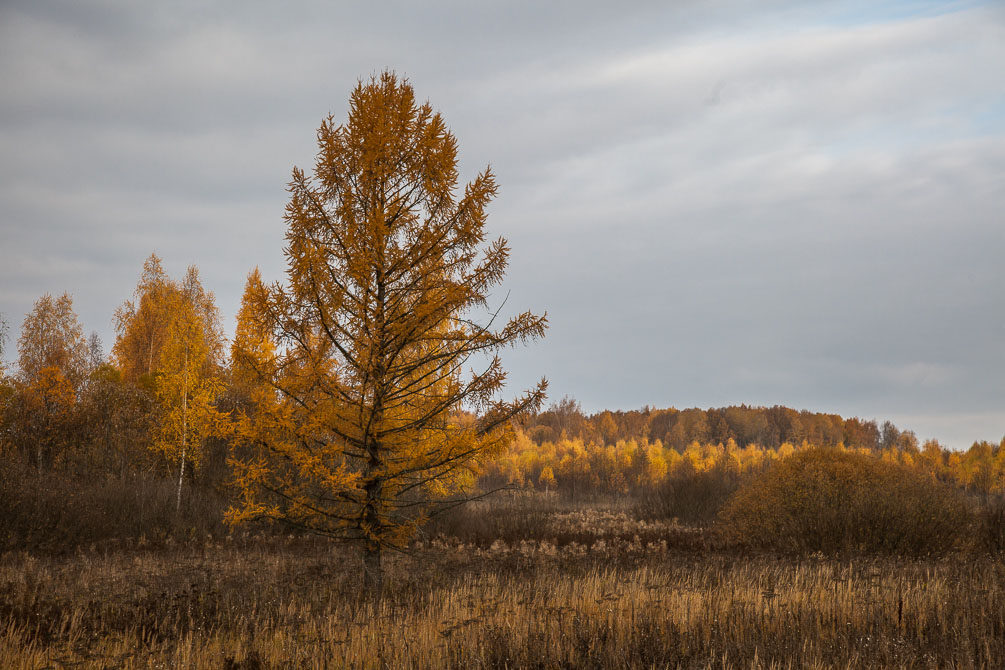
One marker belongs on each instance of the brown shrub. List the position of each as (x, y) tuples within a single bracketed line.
[(992, 517), (691, 497), (56, 512), (833, 501)]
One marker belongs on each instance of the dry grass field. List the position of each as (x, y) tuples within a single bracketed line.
[(606, 592)]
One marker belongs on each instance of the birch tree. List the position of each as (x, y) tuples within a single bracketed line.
[(170, 342), (186, 394)]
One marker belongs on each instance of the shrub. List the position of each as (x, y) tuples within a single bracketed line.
[(692, 497), (833, 501), (56, 512), (992, 517)]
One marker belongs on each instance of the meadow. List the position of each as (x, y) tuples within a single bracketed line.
[(528, 581)]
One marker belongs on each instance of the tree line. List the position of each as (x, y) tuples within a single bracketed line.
[(169, 400), (769, 427), (160, 400), (635, 466)]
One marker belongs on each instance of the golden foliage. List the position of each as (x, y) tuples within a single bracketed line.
[(51, 337), (37, 407), (41, 418), (354, 368), (636, 465), (144, 324), (170, 340), (185, 393)]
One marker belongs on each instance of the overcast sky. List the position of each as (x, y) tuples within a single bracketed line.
[(800, 204)]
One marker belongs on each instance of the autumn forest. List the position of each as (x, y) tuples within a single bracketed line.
[(346, 480)]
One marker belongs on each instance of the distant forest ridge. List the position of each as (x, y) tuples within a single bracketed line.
[(768, 427)]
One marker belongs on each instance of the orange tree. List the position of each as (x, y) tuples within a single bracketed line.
[(39, 413), (377, 383), (170, 343)]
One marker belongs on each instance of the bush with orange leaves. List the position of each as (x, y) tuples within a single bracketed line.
[(834, 501)]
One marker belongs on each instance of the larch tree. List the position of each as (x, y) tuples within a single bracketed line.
[(382, 378), (253, 351)]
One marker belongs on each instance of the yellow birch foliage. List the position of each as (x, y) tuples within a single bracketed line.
[(39, 406), (170, 343), (185, 393), (639, 465), (46, 423), (144, 324), (52, 337)]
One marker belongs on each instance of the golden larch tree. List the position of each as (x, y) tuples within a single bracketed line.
[(383, 381), (252, 346)]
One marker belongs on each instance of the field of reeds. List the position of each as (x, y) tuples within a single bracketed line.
[(587, 586)]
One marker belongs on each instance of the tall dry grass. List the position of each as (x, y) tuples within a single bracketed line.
[(297, 604)]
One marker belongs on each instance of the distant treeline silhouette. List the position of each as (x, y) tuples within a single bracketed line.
[(768, 427)]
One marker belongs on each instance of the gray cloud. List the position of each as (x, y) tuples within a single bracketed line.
[(714, 205)]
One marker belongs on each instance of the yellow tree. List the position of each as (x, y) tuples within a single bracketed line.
[(53, 366), (253, 348), (144, 324), (378, 346), (185, 393), (546, 478), (51, 337), (40, 416), (170, 343)]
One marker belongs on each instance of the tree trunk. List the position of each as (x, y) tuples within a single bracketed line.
[(373, 570), (184, 431), (181, 478)]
